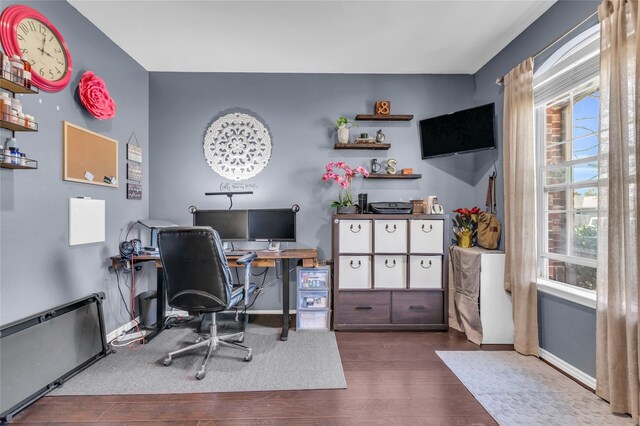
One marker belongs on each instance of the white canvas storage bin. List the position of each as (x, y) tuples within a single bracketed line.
[(355, 236), (425, 272), (426, 236), (390, 271), (391, 236), (355, 272)]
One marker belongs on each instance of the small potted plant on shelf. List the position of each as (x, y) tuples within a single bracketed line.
[(344, 203), (343, 129), (465, 225)]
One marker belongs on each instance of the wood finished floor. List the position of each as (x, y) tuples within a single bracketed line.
[(393, 378)]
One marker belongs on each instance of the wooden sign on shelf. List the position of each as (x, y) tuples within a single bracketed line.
[(134, 172), (383, 107)]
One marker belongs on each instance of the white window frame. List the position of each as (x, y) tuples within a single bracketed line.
[(565, 291)]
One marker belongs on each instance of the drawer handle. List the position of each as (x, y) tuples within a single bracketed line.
[(386, 227), (417, 307), (363, 308), (355, 232), (430, 229), (386, 263), (422, 264), (355, 267)]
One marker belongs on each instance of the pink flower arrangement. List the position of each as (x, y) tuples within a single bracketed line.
[(95, 96), (345, 198)]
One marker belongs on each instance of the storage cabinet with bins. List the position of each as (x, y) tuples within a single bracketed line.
[(389, 272)]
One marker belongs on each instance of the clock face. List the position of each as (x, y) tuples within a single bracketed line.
[(43, 49), (25, 31)]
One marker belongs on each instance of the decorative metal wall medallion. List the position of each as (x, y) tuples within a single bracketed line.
[(237, 146)]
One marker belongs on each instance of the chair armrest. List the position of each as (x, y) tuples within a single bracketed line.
[(247, 258), (246, 261)]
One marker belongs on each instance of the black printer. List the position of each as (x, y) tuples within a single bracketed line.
[(391, 208)]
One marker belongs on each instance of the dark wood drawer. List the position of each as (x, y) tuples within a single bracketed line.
[(363, 307), (417, 307)]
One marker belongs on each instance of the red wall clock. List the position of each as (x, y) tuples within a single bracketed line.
[(25, 31)]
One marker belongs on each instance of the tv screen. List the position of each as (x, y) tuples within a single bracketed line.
[(272, 225), (231, 225), (462, 131)]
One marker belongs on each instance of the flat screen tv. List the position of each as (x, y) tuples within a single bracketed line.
[(463, 131)]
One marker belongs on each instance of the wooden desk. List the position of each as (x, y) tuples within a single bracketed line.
[(309, 258)]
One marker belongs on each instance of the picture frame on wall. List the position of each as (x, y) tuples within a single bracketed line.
[(134, 172), (134, 153), (134, 191)]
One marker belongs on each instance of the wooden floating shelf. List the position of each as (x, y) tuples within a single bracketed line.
[(31, 165), (16, 127), (377, 146), (386, 176), (378, 117), (14, 87)]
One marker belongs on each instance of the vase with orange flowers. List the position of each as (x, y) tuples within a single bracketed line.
[(465, 225), (344, 203)]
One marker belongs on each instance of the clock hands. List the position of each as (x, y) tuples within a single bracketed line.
[(44, 40), (44, 52)]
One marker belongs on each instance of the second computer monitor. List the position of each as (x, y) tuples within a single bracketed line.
[(272, 225), (231, 225)]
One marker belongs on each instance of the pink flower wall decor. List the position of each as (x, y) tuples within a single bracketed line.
[(95, 96)]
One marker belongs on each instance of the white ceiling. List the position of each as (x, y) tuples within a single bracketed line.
[(379, 37)]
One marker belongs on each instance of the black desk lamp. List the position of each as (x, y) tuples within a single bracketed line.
[(229, 194)]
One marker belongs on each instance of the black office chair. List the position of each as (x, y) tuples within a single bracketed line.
[(198, 280)]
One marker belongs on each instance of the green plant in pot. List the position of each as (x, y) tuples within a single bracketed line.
[(344, 203), (343, 129)]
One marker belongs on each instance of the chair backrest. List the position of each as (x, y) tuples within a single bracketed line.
[(196, 273)]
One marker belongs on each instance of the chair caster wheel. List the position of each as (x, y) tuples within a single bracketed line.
[(200, 375), (167, 361), (248, 358), (240, 339)]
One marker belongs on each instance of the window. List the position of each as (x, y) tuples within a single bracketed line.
[(566, 92)]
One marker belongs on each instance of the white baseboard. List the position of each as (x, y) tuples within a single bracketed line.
[(122, 329), (572, 371)]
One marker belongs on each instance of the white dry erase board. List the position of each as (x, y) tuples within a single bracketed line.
[(86, 221)]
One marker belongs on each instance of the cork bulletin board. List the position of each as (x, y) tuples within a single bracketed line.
[(88, 157)]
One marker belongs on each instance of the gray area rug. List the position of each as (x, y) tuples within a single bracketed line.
[(307, 360), (522, 390)]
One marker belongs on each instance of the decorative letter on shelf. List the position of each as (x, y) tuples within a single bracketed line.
[(237, 146)]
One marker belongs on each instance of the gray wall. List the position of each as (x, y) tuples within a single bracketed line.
[(300, 113), (562, 330), (568, 331), (38, 269)]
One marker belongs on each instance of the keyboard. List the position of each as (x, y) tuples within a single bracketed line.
[(237, 252)]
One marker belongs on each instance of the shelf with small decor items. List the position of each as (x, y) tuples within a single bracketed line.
[(376, 168), (382, 112), (378, 117), (15, 87), (358, 145), (24, 164), (396, 176), (11, 116)]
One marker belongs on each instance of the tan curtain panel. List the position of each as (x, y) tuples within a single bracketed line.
[(617, 361), (520, 207)]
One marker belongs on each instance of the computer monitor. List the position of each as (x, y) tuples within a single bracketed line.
[(272, 225), (231, 225)]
